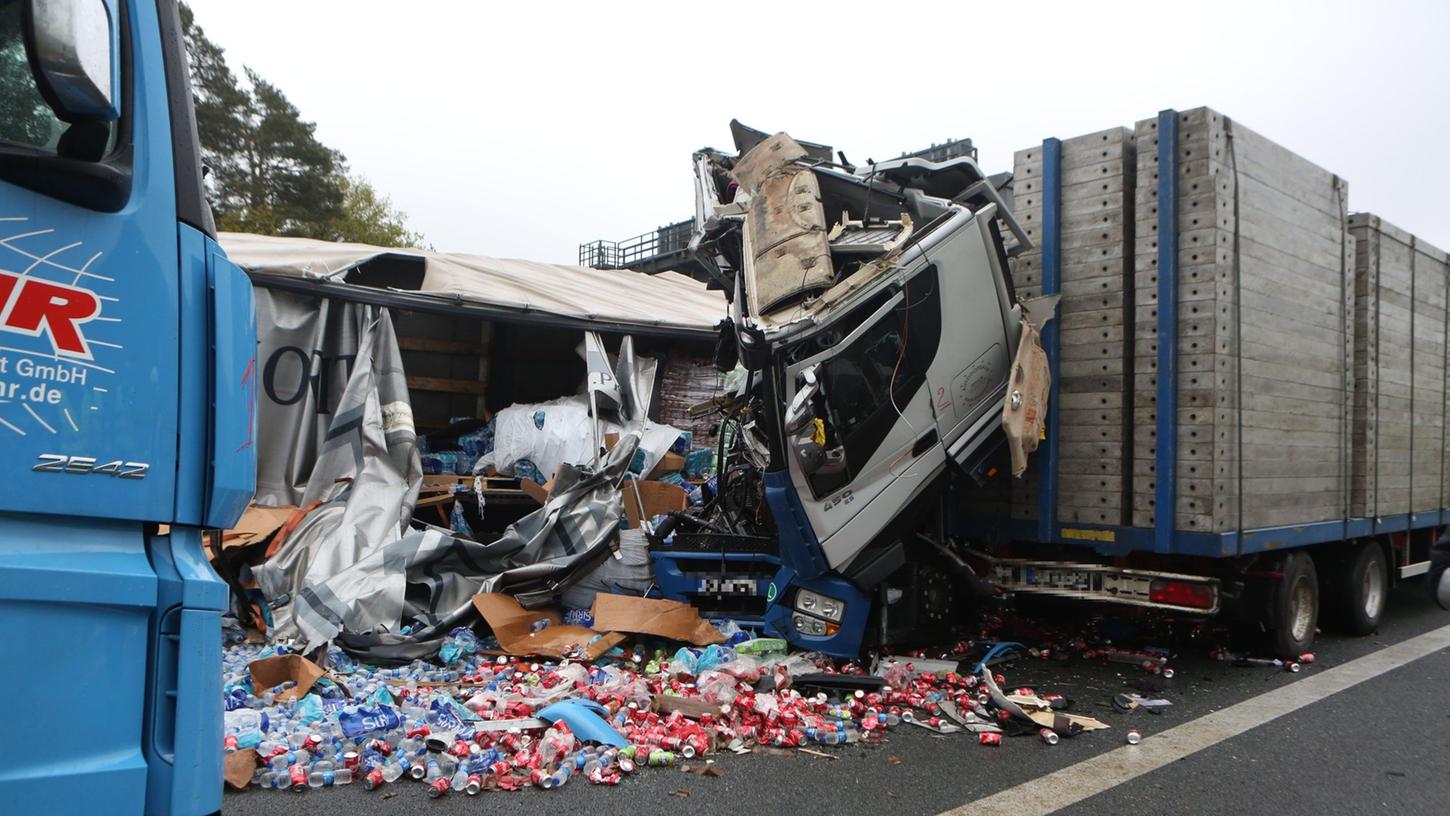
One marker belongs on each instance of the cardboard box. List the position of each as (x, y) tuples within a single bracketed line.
[(658, 498)]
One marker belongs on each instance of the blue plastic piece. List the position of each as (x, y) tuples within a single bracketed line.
[(586, 719), (1051, 285), (799, 547), (1165, 468), (362, 722), (997, 650)]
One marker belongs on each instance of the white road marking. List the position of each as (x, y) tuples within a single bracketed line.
[(1075, 783)]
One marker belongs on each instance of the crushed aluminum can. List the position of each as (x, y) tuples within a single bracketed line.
[(1047, 735), (989, 738), (1134, 736)]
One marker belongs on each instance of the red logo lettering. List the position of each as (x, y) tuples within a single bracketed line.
[(35, 306)]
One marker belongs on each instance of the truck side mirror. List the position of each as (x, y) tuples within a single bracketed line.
[(72, 48)]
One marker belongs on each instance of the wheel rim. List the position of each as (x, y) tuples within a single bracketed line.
[(1302, 609), (1373, 591)]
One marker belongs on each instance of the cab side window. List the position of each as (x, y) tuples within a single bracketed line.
[(25, 118)]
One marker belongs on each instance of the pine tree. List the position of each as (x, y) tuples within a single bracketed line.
[(267, 171)]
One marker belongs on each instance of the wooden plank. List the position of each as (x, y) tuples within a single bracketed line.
[(433, 344), (447, 386)]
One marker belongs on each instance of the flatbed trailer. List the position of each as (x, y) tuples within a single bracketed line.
[(1241, 569)]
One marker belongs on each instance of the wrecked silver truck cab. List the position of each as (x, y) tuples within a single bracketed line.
[(873, 308)]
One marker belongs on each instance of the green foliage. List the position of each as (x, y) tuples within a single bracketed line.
[(269, 174), (368, 217)]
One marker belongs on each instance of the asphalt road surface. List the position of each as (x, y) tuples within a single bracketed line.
[(1370, 737)]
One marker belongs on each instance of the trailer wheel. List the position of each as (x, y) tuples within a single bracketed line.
[(1294, 611), (1359, 589)]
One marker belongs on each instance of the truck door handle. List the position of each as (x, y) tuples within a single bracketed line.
[(924, 443)]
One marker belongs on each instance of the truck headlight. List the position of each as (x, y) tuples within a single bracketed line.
[(821, 606), (814, 627)]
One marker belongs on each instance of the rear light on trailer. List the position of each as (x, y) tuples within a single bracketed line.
[(1188, 594)]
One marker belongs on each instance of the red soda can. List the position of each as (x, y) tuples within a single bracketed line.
[(459, 749), (1307, 657), (230, 742), (312, 743), (990, 738), (350, 759), (418, 732), (438, 787), (539, 778), (374, 779), (1134, 736), (382, 746), (500, 768), (298, 777), (1048, 736)]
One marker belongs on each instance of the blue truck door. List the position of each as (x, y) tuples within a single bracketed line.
[(109, 622)]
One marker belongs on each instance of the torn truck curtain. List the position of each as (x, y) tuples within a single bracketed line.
[(363, 467), (352, 564), (537, 556), (576, 297)]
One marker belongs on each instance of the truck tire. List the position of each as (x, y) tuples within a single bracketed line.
[(1358, 590), (1294, 607)]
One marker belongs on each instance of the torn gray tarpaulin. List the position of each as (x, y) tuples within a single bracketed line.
[(432, 576), (366, 473)]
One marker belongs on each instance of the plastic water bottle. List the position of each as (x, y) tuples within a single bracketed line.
[(244, 719)]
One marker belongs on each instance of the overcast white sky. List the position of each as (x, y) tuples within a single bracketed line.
[(519, 130)]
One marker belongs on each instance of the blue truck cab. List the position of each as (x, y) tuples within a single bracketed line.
[(127, 343)]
